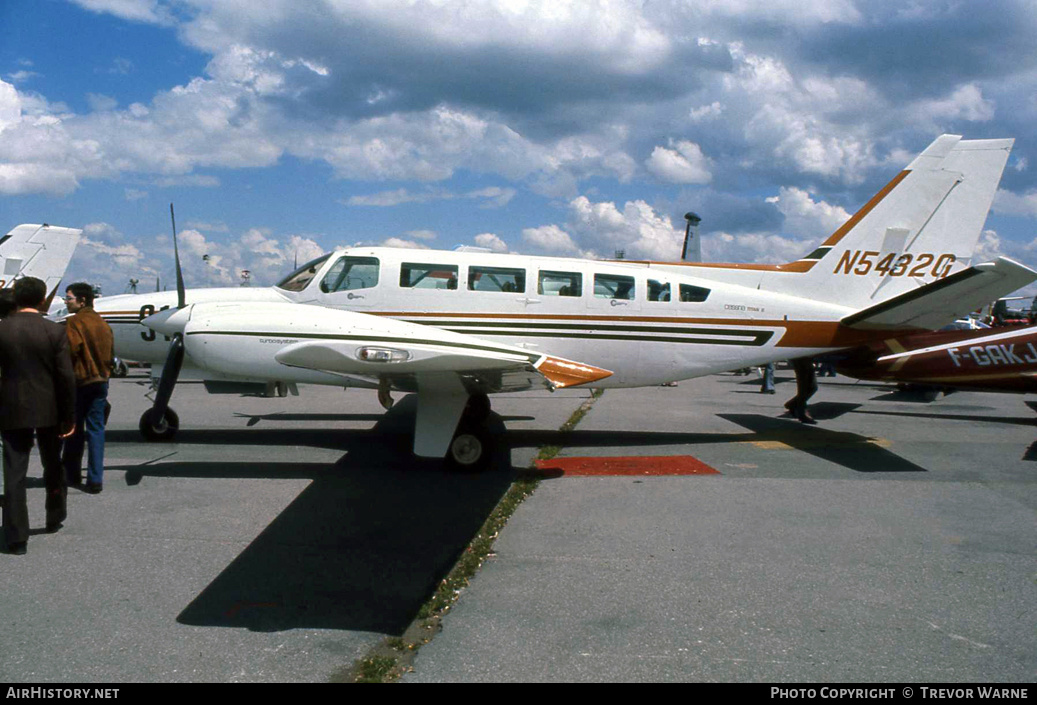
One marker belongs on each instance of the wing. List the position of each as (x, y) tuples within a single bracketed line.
[(267, 341), (403, 353)]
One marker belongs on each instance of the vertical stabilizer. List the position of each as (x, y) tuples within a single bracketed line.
[(921, 227), (41, 251)]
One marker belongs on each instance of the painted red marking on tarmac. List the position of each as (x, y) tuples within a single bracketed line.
[(661, 465)]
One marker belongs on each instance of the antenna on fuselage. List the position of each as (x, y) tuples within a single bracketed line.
[(692, 250)]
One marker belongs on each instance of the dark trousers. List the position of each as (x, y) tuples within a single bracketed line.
[(17, 446), (806, 384)]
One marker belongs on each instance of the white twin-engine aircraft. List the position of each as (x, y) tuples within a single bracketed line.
[(453, 327), (41, 251)]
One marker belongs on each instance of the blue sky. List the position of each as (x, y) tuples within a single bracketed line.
[(282, 129)]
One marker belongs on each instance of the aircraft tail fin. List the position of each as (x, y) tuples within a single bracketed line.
[(41, 251), (943, 300), (921, 227)]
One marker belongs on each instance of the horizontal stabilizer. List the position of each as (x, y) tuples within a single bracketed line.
[(942, 301)]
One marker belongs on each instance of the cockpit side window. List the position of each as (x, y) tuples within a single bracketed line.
[(350, 273), (301, 277)]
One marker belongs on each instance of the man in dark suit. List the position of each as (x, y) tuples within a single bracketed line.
[(37, 397)]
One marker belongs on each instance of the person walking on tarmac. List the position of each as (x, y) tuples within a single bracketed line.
[(90, 341), (37, 401), (806, 385)]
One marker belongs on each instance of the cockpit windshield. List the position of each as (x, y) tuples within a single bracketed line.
[(301, 277)]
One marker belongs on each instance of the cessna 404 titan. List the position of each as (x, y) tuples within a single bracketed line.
[(454, 327)]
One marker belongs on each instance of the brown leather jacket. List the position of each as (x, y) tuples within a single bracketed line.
[(90, 342)]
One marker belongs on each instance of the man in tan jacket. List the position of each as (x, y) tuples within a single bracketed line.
[(90, 342)]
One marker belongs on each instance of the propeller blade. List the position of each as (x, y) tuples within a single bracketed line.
[(181, 297), (170, 373)]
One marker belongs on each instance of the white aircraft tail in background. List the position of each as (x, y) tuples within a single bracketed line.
[(41, 251)]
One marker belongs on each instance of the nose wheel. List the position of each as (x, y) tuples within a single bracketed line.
[(164, 430)]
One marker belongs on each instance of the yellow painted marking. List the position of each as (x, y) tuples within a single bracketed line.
[(819, 443)]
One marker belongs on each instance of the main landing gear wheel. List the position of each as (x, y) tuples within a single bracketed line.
[(162, 431), (470, 449)]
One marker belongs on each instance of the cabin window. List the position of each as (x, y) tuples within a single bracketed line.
[(658, 291), (428, 276), (613, 286), (693, 294), (502, 279), (560, 284), (351, 273), (301, 277)]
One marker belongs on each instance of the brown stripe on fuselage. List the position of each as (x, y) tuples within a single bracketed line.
[(798, 334)]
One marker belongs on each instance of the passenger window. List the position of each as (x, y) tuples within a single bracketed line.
[(428, 276), (658, 291), (502, 279), (351, 273), (693, 294), (560, 284), (613, 286)]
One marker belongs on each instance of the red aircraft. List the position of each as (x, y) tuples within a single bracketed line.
[(993, 359)]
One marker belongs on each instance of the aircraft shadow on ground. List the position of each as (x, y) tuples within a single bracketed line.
[(972, 418), (360, 549), (850, 450)]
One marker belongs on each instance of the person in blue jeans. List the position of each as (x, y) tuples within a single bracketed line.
[(767, 381), (90, 343)]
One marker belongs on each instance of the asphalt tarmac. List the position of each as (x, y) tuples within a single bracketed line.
[(280, 539)]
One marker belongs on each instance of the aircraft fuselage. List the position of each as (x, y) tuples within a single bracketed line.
[(646, 323)]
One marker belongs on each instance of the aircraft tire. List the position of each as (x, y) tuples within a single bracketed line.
[(470, 449), (281, 388), (165, 433), (120, 369)]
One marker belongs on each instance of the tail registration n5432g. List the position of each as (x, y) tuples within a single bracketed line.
[(894, 264)]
